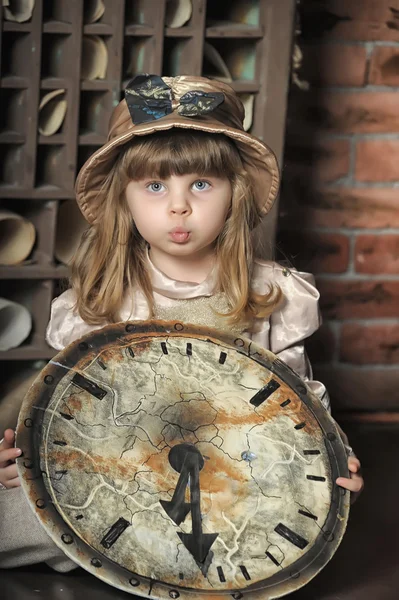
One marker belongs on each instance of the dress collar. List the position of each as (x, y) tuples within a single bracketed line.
[(171, 288)]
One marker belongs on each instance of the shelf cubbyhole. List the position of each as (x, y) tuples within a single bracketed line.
[(138, 55), (58, 11), (141, 12), (16, 54), (84, 153), (237, 12), (95, 109), (12, 165), (52, 168), (240, 59), (13, 113), (57, 52), (176, 51)]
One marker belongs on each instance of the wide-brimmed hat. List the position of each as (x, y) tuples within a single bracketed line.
[(154, 104)]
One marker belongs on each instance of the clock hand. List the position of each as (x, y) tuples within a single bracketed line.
[(197, 542), (177, 508), (264, 393)]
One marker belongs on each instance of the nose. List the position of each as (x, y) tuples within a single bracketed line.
[(179, 204)]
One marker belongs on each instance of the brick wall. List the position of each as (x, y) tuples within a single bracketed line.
[(340, 197)]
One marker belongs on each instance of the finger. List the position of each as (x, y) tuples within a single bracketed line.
[(353, 485), (353, 464), (8, 440), (7, 455), (9, 472), (13, 483)]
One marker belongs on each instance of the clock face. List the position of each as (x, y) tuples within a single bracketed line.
[(167, 460)]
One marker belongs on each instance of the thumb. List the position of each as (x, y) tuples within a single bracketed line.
[(8, 440)]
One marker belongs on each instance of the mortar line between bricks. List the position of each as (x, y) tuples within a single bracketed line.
[(366, 277), (345, 42), (356, 90), (351, 255), (364, 321), (361, 185), (352, 366), (380, 231)]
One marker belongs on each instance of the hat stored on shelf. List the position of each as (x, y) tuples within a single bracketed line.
[(17, 236), (178, 12), (18, 10), (155, 104), (52, 111), (94, 57), (93, 11), (15, 324), (70, 226)]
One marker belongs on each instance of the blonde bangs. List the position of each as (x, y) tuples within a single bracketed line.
[(181, 152), (111, 258)]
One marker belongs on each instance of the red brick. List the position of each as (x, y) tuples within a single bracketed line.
[(351, 299), (377, 160), (321, 345), (325, 160), (377, 254), (359, 388), (344, 112), (371, 208), (384, 66), (322, 64), (351, 19), (314, 252), (369, 344)]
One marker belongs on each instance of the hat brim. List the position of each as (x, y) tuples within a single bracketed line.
[(258, 159)]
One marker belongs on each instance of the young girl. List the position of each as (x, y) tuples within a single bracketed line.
[(172, 199)]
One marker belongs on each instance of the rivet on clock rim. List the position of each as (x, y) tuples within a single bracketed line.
[(174, 594), (134, 582), (237, 595)]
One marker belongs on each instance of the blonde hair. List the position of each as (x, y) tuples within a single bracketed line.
[(112, 256)]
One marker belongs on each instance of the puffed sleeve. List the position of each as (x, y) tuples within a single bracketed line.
[(65, 325), (295, 320)]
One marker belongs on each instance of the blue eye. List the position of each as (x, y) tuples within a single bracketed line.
[(201, 185), (155, 186)]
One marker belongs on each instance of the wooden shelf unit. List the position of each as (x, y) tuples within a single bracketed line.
[(38, 172)]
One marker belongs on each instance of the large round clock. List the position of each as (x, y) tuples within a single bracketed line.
[(177, 461)]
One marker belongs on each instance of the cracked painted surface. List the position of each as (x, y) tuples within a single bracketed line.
[(113, 462)]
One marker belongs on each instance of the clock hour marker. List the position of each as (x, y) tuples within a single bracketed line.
[(245, 572), (189, 349), (315, 478), (300, 426), (130, 350), (222, 358), (66, 416), (59, 443), (164, 348), (89, 386), (78, 517), (291, 536), (311, 452), (307, 514), (221, 575), (274, 560), (115, 532), (285, 403), (102, 365), (264, 393)]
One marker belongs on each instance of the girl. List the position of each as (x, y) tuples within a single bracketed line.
[(172, 198)]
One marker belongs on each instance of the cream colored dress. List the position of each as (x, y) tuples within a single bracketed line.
[(283, 333)]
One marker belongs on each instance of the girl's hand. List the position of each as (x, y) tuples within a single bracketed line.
[(8, 469), (356, 483)]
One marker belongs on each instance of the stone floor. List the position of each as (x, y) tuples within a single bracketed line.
[(365, 567)]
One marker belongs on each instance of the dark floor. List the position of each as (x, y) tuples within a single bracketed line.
[(365, 567)]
